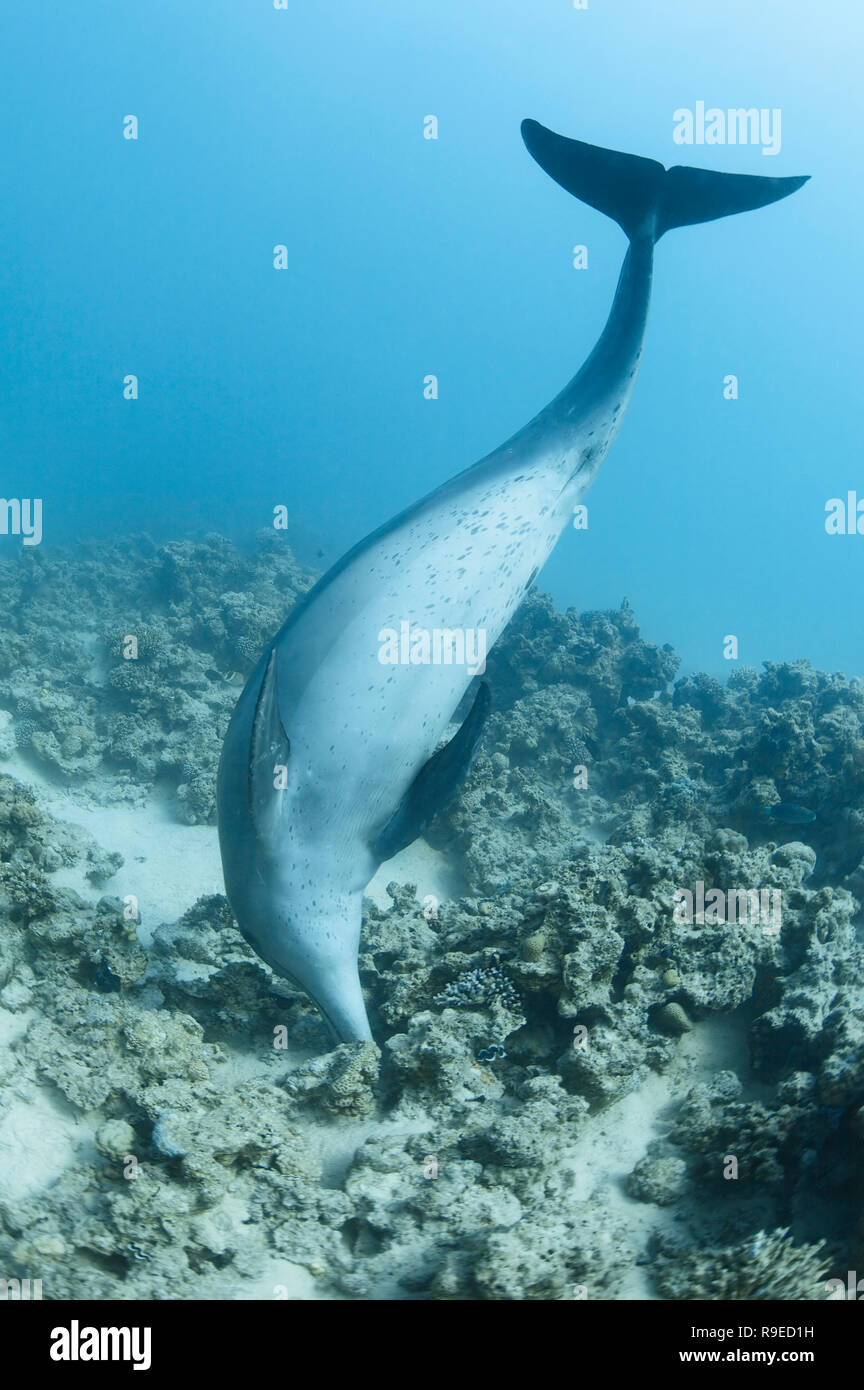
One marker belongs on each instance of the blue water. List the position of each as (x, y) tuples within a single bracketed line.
[(407, 257)]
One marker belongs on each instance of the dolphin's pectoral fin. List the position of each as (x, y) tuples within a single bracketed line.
[(435, 784), (269, 751)]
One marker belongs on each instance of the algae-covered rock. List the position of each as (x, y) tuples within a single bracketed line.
[(658, 1177)]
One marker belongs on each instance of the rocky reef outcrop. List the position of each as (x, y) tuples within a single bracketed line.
[(643, 860)]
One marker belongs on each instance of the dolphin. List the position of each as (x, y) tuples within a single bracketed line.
[(331, 763)]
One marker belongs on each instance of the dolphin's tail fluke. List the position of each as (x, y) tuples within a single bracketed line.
[(640, 194)]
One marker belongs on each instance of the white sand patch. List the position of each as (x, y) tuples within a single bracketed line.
[(420, 864), (39, 1140), (606, 1152), (613, 1141), (168, 865), (12, 1027), (281, 1282)]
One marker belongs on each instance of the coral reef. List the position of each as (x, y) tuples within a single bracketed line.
[(139, 687), (210, 1134)]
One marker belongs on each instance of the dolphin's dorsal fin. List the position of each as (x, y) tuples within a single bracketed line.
[(269, 750), (435, 784)]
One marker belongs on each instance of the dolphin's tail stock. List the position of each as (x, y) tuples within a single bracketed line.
[(640, 194)]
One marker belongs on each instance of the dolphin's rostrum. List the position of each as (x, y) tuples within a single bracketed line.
[(329, 764)]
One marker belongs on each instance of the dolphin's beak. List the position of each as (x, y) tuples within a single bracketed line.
[(346, 1015)]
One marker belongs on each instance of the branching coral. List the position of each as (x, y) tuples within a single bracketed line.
[(766, 1266)]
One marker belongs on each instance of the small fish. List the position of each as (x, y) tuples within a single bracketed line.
[(787, 813)]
